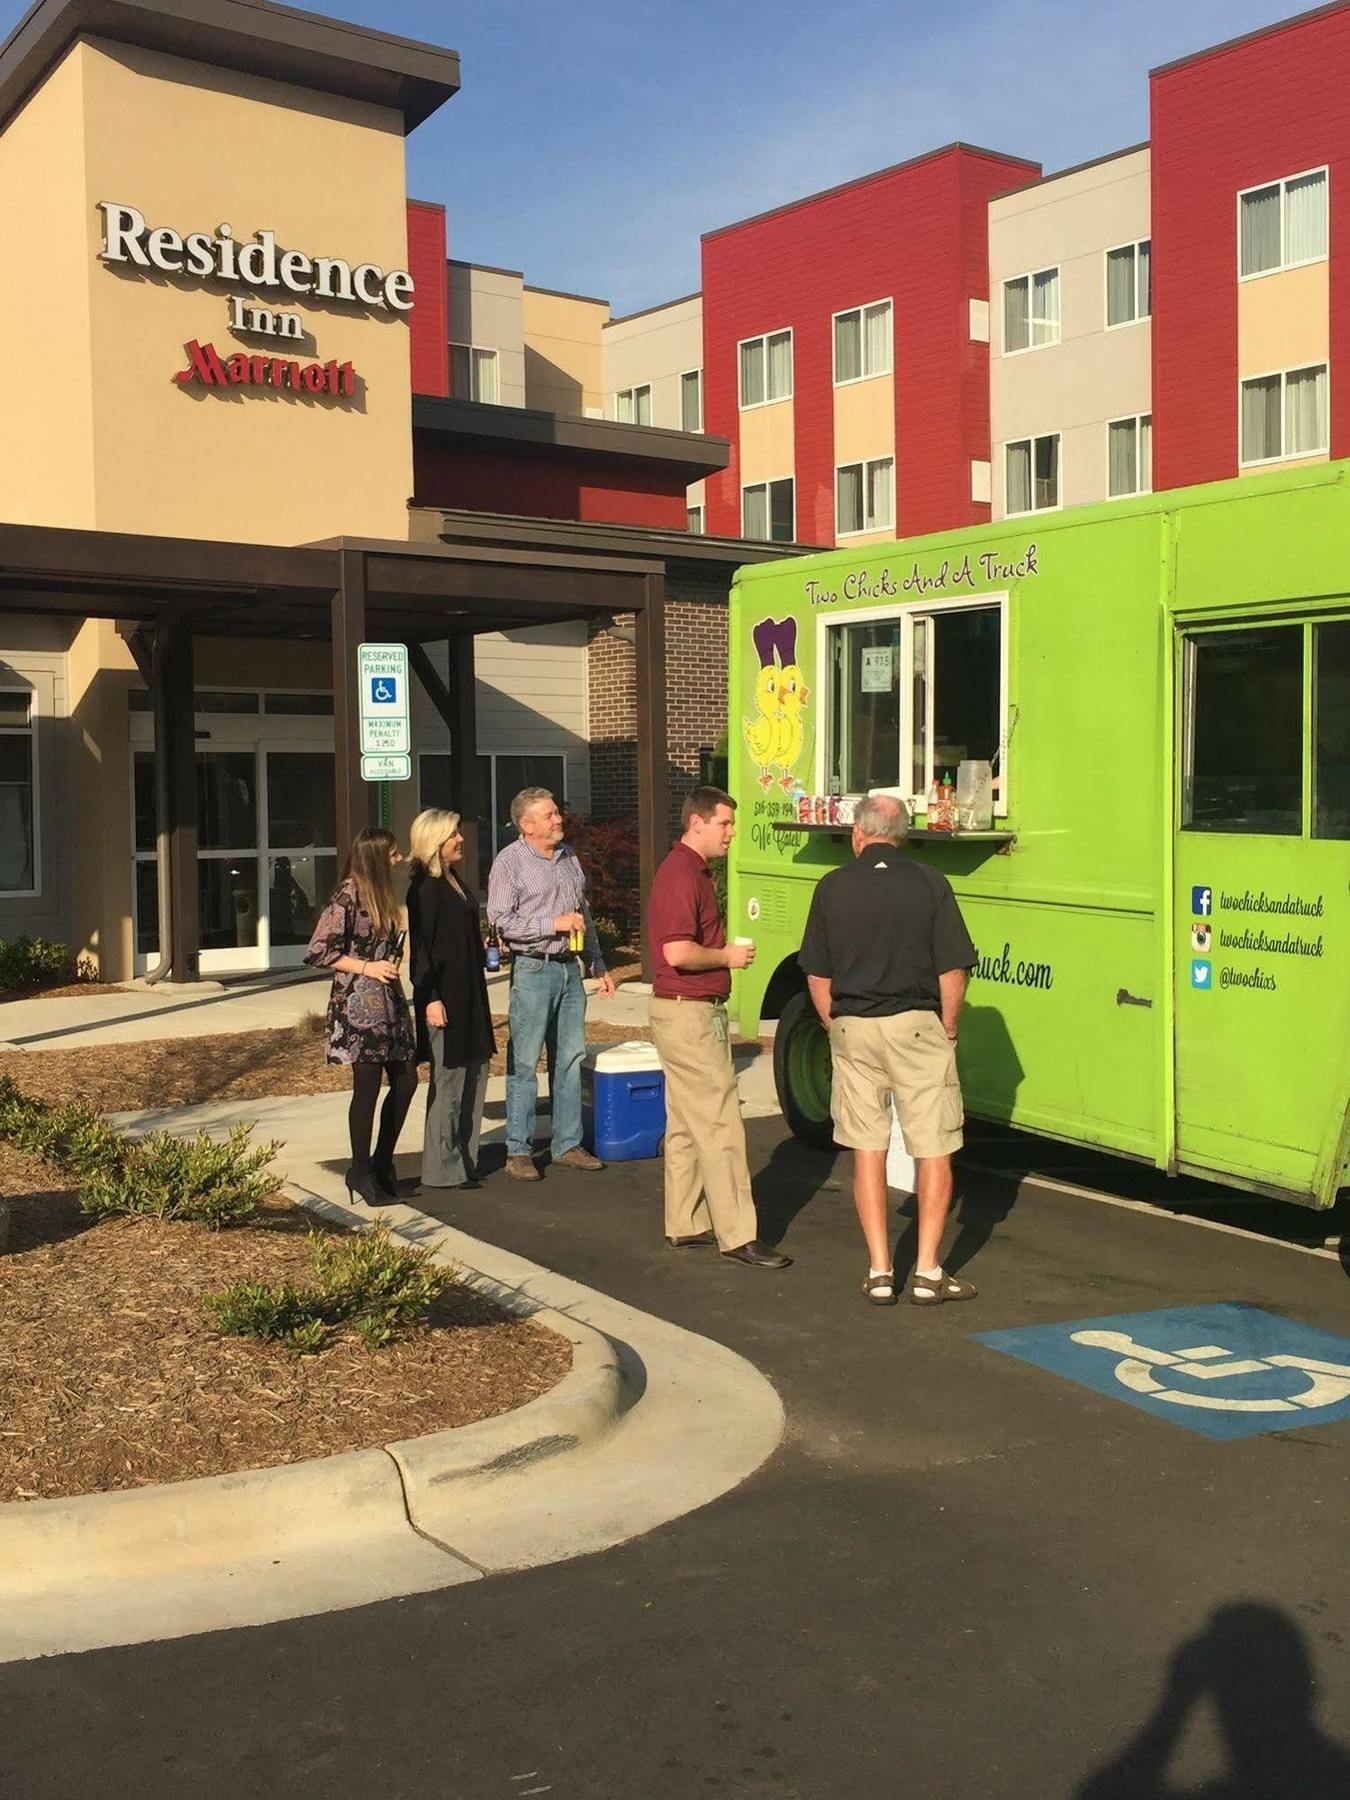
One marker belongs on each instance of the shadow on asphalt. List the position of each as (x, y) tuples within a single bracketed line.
[(1252, 1667)]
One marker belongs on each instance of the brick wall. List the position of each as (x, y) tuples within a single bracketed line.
[(696, 698)]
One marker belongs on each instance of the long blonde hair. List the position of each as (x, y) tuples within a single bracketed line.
[(429, 831), (368, 869)]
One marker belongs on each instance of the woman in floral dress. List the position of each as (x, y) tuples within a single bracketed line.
[(369, 1023)]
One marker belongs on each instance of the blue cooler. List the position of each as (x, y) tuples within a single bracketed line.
[(623, 1101)]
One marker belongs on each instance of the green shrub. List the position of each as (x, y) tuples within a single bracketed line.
[(367, 1282), (27, 962), (214, 1182)]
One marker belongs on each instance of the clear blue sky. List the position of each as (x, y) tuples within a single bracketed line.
[(593, 140)]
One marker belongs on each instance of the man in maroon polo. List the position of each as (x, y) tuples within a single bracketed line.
[(708, 1198)]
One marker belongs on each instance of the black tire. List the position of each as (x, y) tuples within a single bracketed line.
[(801, 1073)]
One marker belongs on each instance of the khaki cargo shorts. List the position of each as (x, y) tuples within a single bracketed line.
[(907, 1056)]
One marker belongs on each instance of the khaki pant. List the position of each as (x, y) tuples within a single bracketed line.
[(707, 1175), (905, 1058)]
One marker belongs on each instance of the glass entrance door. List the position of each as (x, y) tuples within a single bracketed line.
[(301, 851)]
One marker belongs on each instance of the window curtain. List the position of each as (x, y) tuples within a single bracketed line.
[(849, 498), (847, 347), (1019, 477), (781, 523), (1145, 278), (1261, 418), (1120, 286), (1016, 316), (623, 406), (780, 366), (642, 406), (691, 400), (1305, 412), (1305, 218), (755, 512), (485, 374), (877, 327), (1259, 234), (881, 495), (752, 373), (1146, 454), (1122, 458), (1046, 491), (1045, 307)]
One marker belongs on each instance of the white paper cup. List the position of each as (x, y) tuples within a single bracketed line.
[(749, 941)]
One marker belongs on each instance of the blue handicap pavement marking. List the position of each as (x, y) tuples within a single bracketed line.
[(1226, 1371)]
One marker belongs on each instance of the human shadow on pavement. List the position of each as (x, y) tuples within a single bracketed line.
[(791, 1179), (1252, 1664)]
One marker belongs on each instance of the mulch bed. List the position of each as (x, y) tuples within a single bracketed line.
[(111, 1376), (73, 990)]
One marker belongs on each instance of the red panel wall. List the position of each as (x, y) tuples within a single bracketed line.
[(918, 235), (1231, 119), (557, 486), (429, 321)]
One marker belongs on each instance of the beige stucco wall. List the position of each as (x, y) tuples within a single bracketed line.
[(190, 147), (564, 356), (487, 310), (1092, 375), (864, 419), (768, 442), (1284, 320), (655, 347)]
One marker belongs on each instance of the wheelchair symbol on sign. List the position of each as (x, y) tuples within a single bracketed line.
[(1328, 1382)]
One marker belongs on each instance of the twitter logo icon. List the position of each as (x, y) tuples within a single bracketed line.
[(1202, 972)]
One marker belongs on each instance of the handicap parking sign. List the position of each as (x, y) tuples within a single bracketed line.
[(384, 690), (1202, 973), (1226, 1371)]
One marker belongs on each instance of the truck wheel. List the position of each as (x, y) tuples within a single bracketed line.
[(801, 1073)]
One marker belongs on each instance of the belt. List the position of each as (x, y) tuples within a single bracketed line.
[(695, 999), (544, 955)]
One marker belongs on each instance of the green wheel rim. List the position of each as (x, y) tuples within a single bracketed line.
[(809, 1071)]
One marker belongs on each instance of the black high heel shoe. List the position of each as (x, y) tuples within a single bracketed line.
[(361, 1185), (385, 1177)]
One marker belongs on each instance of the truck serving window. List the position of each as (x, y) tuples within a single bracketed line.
[(1331, 729), (913, 694), (1244, 716)]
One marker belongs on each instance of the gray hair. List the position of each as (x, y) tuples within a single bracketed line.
[(882, 816), (524, 800)]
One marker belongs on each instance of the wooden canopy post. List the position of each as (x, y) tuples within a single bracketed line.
[(176, 743), (653, 784), (348, 630), (457, 705)]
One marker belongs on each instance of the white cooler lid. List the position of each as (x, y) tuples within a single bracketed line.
[(631, 1057)]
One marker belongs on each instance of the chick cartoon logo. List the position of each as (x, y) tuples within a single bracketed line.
[(776, 737)]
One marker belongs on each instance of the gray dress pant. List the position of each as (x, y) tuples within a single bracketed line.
[(454, 1119)]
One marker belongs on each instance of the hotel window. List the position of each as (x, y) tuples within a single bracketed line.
[(1129, 456), (1283, 225), (1032, 471), (862, 342), (1129, 283), (1031, 311), (766, 511), (766, 368), (1284, 415), (473, 374), (864, 496), (18, 863), (633, 406), (693, 521), (691, 400)]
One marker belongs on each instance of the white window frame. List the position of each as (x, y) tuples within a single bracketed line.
[(863, 465), (638, 387), (684, 374), (1011, 281), (1271, 462), (767, 483), (906, 614), (479, 350), (1282, 183), (763, 337), (31, 733), (868, 374), (1034, 512), (1140, 318), (701, 509), (1135, 419)]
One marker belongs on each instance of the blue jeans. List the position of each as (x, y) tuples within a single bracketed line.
[(548, 1007)]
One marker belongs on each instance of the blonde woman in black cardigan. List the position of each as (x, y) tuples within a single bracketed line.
[(454, 1024)]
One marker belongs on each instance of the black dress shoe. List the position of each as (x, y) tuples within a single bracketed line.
[(759, 1256), (696, 1242)]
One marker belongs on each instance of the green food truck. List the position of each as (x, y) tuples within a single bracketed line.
[(1160, 897)]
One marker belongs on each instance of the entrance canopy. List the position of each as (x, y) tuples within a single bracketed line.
[(164, 591)]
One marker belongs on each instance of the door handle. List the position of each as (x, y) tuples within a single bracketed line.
[(1125, 998)]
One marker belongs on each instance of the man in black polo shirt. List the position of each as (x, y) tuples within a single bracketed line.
[(886, 956)]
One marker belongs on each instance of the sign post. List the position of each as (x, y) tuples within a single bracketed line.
[(386, 733)]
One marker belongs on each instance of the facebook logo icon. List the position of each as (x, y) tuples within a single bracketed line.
[(1202, 901), (1202, 973)]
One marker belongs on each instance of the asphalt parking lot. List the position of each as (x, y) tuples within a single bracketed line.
[(995, 1554)]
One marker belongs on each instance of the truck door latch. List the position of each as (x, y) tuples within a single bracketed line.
[(1125, 998)]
